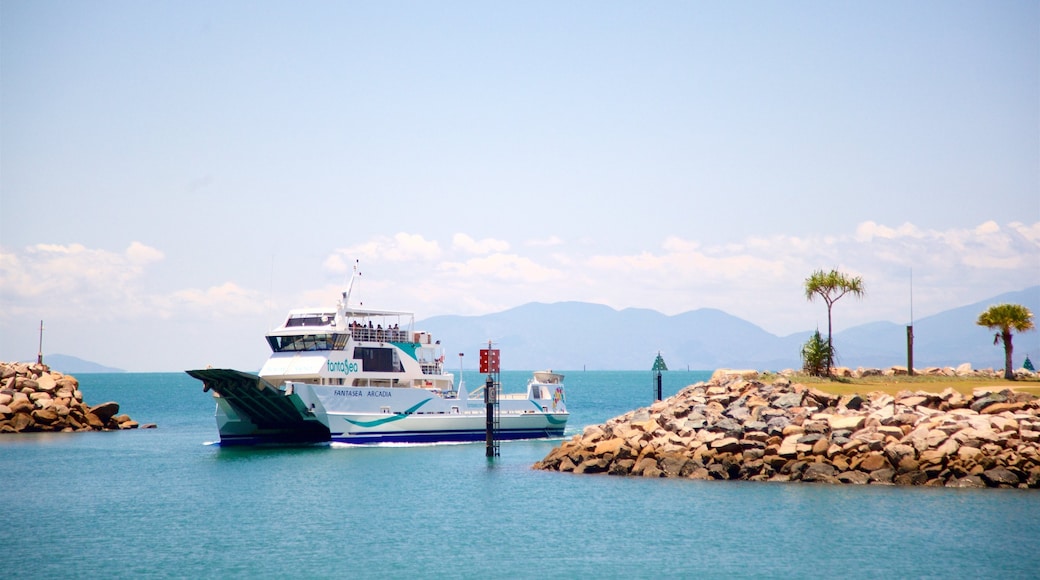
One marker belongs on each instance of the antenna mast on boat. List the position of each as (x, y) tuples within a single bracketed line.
[(350, 285)]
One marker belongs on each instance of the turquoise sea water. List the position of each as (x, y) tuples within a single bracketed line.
[(164, 503)]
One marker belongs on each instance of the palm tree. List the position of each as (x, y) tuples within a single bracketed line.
[(831, 286), (815, 355), (1005, 318)]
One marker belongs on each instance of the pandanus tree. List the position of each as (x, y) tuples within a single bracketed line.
[(831, 286), (1006, 319)]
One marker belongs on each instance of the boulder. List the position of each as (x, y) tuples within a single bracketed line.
[(21, 406), (21, 422), (788, 400), (105, 411), (44, 416), (1000, 476), (966, 481), (726, 445), (46, 383), (987, 400), (821, 472), (854, 477), (851, 422), (873, 462)]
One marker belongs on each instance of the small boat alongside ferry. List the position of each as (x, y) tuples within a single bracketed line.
[(358, 375)]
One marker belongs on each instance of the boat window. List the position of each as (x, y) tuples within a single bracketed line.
[(379, 360), (309, 320), (302, 342)]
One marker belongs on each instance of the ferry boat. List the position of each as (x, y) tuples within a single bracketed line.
[(356, 375)]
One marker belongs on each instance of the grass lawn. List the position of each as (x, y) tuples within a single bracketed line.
[(894, 384)]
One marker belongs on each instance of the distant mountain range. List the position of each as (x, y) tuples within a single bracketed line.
[(67, 364), (578, 335)]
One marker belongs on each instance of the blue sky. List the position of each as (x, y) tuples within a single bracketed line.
[(174, 176)]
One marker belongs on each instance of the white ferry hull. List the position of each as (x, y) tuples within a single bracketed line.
[(251, 411), (373, 415)]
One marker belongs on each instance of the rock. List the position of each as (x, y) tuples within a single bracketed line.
[(966, 481), (610, 446), (21, 422), (896, 453), (882, 476), (789, 446), (788, 400), (911, 478), (851, 422), (985, 401), (853, 402), (912, 401), (776, 425), (997, 408), (1000, 476), (46, 384), (726, 445), (21, 406), (821, 472), (105, 411), (93, 421), (854, 477), (729, 426), (873, 462), (44, 416)]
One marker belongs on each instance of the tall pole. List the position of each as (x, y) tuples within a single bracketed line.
[(910, 349), (489, 402), (910, 330), (39, 352), (659, 365), (489, 363)]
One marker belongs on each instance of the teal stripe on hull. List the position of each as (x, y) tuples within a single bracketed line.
[(391, 418)]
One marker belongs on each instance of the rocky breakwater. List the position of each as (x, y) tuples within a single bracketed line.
[(33, 398), (737, 427)]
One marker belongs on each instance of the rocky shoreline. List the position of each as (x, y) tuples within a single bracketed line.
[(736, 427), (33, 398)]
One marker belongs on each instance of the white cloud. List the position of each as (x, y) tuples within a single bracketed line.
[(139, 253), (402, 247), (486, 246), (75, 282), (502, 267), (73, 274), (1029, 233), (227, 299), (869, 230), (987, 228)]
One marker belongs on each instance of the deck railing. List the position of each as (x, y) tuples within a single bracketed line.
[(366, 334)]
